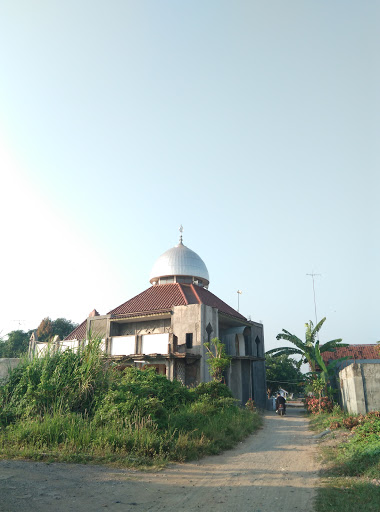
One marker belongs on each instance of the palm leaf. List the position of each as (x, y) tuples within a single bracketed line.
[(319, 359), (330, 346), (292, 339), (319, 325), (284, 350), (309, 336)]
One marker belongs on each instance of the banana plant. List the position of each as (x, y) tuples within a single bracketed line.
[(310, 350)]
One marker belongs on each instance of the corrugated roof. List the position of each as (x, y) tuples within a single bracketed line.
[(355, 352)]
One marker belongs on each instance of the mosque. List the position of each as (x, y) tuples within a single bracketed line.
[(166, 326)]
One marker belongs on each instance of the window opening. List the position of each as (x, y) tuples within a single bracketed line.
[(189, 340), (257, 341), (237, 350)]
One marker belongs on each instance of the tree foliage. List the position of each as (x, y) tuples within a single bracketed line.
[(283, 372), (45, 330), (17, 342), (16, 345), (49, 328), (310, 349), (217, 359), (63, 327)]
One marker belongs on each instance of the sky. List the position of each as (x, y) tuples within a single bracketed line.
[(253, 124)]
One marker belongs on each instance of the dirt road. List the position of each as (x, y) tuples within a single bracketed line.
[(273, 470)]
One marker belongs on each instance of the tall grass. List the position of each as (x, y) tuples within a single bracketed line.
[(352, 458), (76, 407)]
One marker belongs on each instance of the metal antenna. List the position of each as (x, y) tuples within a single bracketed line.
[(20, 322), (315, 304), (239, 292)]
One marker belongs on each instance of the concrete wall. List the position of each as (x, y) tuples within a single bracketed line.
[(209, 316), (234, 378), (97, 326), (187, 319), (360, 387), (156, 326), (259, 384), (7, 364), (258, 334)]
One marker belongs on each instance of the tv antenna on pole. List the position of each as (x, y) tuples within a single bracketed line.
[(315, 303), (239, 292), (20, 322)]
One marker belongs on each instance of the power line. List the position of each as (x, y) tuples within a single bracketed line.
[(287, 381)]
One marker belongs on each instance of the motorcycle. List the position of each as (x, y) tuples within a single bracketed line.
[(281, 410)]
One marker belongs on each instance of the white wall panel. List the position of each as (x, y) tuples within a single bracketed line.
[(41, 349), (155, 343), (70, 344), (122, 345)]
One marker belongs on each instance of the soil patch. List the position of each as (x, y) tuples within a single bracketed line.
[(274, 469)]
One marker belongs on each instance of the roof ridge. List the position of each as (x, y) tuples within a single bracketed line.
[(195, 293), (182, 293)]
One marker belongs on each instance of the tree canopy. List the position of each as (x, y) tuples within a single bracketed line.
[(17, 342), (283, 372), (45, 330), (16, 345), (310, 349), (49, 328), (63, 327)]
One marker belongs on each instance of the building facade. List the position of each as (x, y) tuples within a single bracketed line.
[(167, 325)]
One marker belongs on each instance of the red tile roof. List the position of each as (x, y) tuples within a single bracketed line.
[(79, 333), (156, 298), (355, 352), (161, 298), (164, 296), (212, 300)]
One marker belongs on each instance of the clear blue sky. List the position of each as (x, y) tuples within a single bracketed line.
[(254, 124)]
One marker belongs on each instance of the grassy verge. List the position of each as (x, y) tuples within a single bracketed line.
[(351, 462), (139, 443), (76, 407), (348, 494)]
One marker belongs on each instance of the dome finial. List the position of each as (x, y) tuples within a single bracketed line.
[(181, 231)]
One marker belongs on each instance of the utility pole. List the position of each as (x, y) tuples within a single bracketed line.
[(239, 292), (315, 304)]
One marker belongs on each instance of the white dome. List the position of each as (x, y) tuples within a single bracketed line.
[(180, 261)]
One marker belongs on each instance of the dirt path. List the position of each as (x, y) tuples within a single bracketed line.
[(273, 470)]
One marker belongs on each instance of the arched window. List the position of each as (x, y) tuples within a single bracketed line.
[(257, 341), (247, 341)]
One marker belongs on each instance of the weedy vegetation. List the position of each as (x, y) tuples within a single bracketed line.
[(77, 407), (351, 458)]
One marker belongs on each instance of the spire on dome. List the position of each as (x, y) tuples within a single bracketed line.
[(181, 231)]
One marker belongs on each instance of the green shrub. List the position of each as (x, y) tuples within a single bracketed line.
[(75, 406), (66, 381), (213, 390), (141, 392)]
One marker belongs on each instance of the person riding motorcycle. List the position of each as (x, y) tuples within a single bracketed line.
[(280, 400)]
